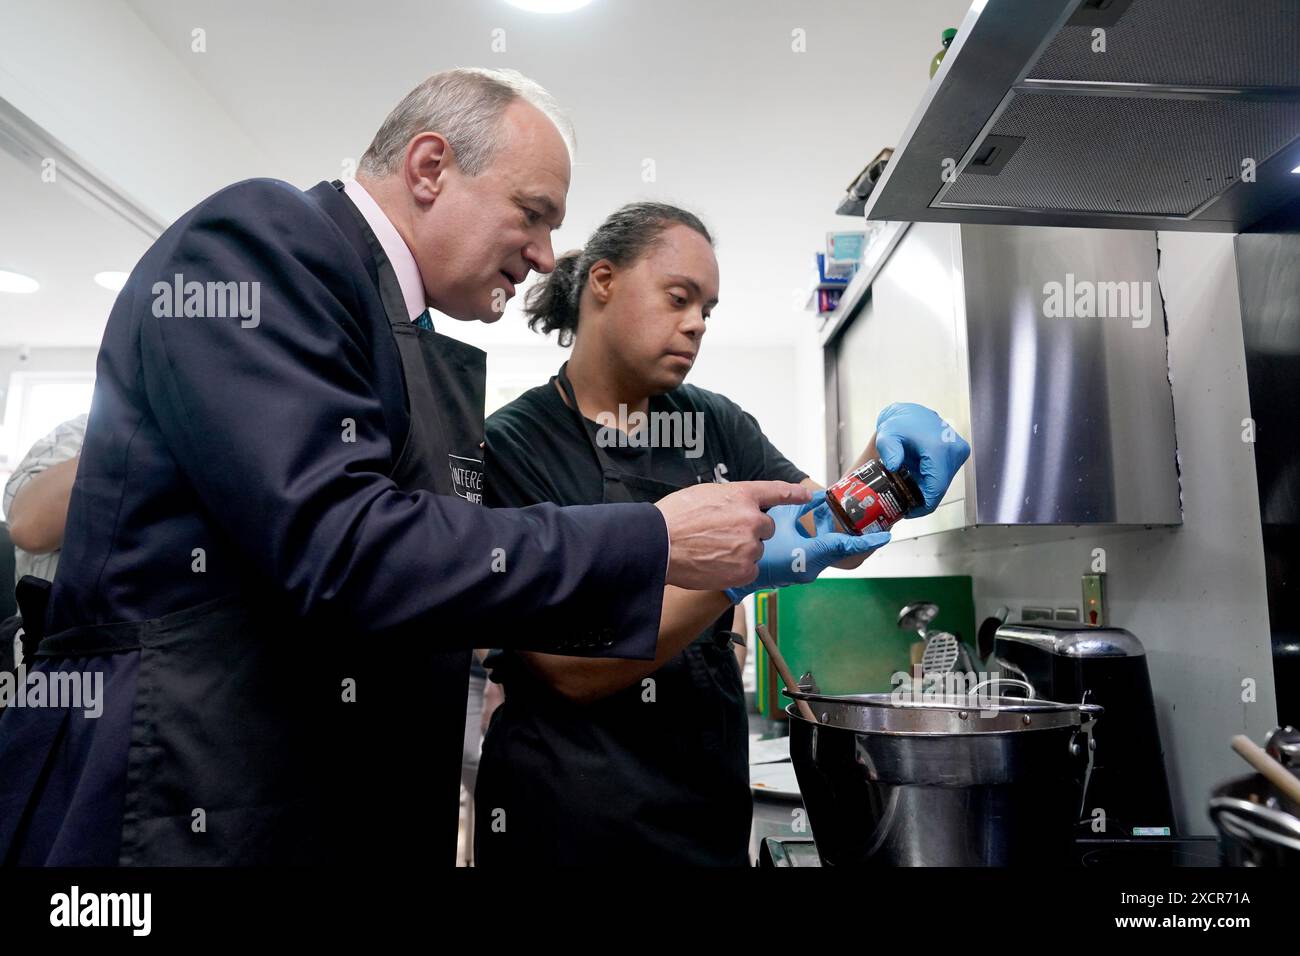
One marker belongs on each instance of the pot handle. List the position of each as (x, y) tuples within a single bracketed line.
[(1006, 680), (1089, 712)]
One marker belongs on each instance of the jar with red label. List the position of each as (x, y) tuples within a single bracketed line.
[(872, 498)]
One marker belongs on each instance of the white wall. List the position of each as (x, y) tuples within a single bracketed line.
[(1195, 596), (762, 381)]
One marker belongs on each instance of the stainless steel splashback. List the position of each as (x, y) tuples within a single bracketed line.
[(1072, 415), (1046, 347)]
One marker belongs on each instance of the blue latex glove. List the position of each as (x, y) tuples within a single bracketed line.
[(791, 556), (915, 436)]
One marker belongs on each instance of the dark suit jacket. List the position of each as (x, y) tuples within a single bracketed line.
[(225, 434)]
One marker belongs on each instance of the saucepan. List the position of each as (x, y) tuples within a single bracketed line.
[(1258, 815), (942, 781)]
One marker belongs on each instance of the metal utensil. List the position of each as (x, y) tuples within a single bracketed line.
[(1283, 745), (917, 617), (1258, 816), (1255, 829), (939, 658), (984, 639)]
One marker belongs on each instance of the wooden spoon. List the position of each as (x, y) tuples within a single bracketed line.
[(784, 670), (1259, 758)]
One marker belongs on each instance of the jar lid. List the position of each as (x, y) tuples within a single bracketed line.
[(909, 486)]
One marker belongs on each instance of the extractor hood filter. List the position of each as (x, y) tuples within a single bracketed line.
[(1188, 43), (1123, 154), (1143, 114)]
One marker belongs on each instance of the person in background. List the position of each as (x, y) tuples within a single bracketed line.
[(613, 762), (36, 510), (36, 499)]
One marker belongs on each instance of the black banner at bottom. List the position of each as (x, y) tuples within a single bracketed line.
[(191, 905)]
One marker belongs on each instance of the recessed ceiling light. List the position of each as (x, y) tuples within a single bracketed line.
[(17, 282), (1296, 170), (113, 281), (549, 6)]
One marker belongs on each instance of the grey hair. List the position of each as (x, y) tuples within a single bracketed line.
[(464, 105)]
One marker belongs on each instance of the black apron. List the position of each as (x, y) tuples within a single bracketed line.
[(233, 718), (624, 780)]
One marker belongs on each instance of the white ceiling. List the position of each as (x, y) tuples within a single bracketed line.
[(60, 239), (756, 138)]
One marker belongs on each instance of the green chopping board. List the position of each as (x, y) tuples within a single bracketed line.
[(845, 630)]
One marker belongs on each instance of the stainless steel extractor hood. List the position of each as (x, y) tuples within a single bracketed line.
[(1141, 114)]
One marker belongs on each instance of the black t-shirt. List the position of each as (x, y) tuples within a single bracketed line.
[(535, 450)]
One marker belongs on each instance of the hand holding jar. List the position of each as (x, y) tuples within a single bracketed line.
[(797, 555), (919, 455)]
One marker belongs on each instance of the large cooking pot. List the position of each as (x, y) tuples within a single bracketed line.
[(1258, 822), (890, 782), (1257, 826)]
